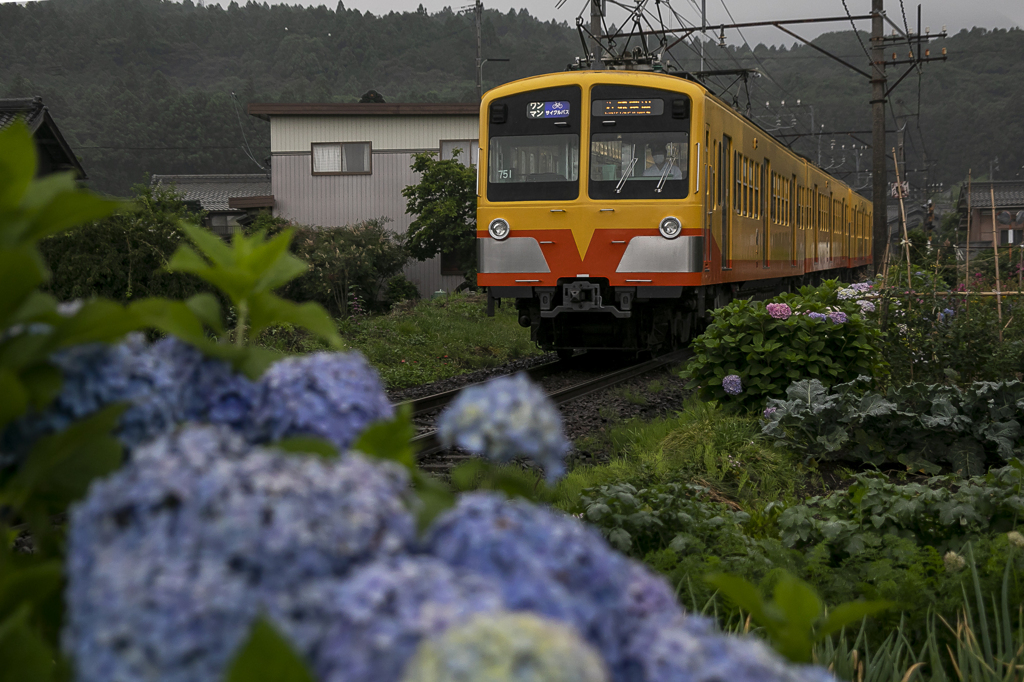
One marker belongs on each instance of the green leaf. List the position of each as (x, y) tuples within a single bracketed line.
[(21, 272), (267, 657), (390, 440), (433, 498), (741, 593), (308, 445), (17, 164), (15, 397), (266, 309), (849, 613), (67, 210), (97, 320), (30, 584), (25, 655), (466, 476), (207, 309), (170, 317)]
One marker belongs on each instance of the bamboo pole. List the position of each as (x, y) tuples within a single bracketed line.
[(903, 213), (995, 249)]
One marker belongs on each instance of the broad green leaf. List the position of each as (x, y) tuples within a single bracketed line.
[(235, 284), (21, 272), (267, 657), (43, 382), (171, 317), (467, 475), (97, 320), (17, 165), (266, 309), (308, 445), (24, 655), (848, 613), (433, 498), (15, 397), (391, 439), (32, 584), (67, 210), (36, 307), (743, 594), (212, 246), (207, 308)]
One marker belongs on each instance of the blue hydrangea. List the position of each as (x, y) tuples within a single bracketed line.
[(164, 384), (837, 317), (333, 396), (732, 384), (680, 655), (553, 565), (505, 418), (507, 647), (170, 558), (367, 627), (817, 316)]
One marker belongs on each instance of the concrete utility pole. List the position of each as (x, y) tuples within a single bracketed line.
[(880, 229), (596, 12)]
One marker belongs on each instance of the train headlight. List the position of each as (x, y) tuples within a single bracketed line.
[(498, 229), (670, 228)]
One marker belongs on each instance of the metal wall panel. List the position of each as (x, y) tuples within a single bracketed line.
[(297, 133), (336, 200)]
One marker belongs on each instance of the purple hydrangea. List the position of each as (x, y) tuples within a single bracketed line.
[(817, 316), (866, 306), (505, 418), (769, 411), (507, 647), (553, 565), (780, 311), (367, 627), (949, 312), (333, 396), (862, 286), (680, 655), (732, 384), (837, 317), (170, 558)]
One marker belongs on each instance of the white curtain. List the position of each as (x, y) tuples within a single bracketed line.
[(327, 158)]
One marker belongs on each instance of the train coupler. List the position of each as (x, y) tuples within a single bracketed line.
[(583, 297)]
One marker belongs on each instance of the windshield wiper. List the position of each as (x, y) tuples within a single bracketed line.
[(629, 170), (664, 173)]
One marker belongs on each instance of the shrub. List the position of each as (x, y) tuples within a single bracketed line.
[(753, 351), (400, 289), (124, 257), (918, 425)]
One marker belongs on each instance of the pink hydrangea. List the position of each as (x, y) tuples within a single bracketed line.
[(780, 311)]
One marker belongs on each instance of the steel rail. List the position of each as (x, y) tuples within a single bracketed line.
[(427, 442)]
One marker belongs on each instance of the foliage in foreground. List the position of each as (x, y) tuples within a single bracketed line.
[(924, 427), (752, 351)]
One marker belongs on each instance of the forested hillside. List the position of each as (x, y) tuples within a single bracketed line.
[(145, 86)]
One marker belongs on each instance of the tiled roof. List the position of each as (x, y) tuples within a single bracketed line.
[(31, 108), (1009, 194), (213, 191)]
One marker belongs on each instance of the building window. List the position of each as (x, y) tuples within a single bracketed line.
[(342, 158), (469, 151)]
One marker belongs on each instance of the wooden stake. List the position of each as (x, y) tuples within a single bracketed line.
[(903, 212), (995, 249)]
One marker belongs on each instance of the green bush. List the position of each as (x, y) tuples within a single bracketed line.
[(769, 352), (124, 256), (347, 262), (918, 425), (400, 289)]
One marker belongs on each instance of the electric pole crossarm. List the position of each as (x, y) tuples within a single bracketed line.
[(914, 64), (824, 52)]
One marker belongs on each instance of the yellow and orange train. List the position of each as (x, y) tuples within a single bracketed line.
[(618, 207)]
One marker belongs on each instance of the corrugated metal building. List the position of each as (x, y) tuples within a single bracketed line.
[(339, 164)]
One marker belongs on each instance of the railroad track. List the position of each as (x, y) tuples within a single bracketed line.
[(427, 443)]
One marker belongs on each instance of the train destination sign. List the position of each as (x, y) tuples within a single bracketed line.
[(628, 107), (547, 109)]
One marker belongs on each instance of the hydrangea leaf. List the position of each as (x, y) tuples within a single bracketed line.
[(267, 657), (24, 653), (96, 320), (266, 309), (17, 164), (308, 445), (67, 209), (15, 396), (848, 614), (20, 274), (207, 309), (390, 439), (31, 584)]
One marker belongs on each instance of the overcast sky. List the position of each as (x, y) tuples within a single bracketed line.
[(955, 14)]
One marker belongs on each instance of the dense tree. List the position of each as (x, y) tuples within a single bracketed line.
[(145, 86)]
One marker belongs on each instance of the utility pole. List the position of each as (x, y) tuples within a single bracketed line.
[(596, 12), (879, 176), (478, 12)]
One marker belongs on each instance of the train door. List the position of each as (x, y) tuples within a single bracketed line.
[(725, 171), (791, 214), (763, 206), (708, 197)]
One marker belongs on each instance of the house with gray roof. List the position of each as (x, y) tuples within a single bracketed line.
[(55, 154), (229, 200), (1001, 200)]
